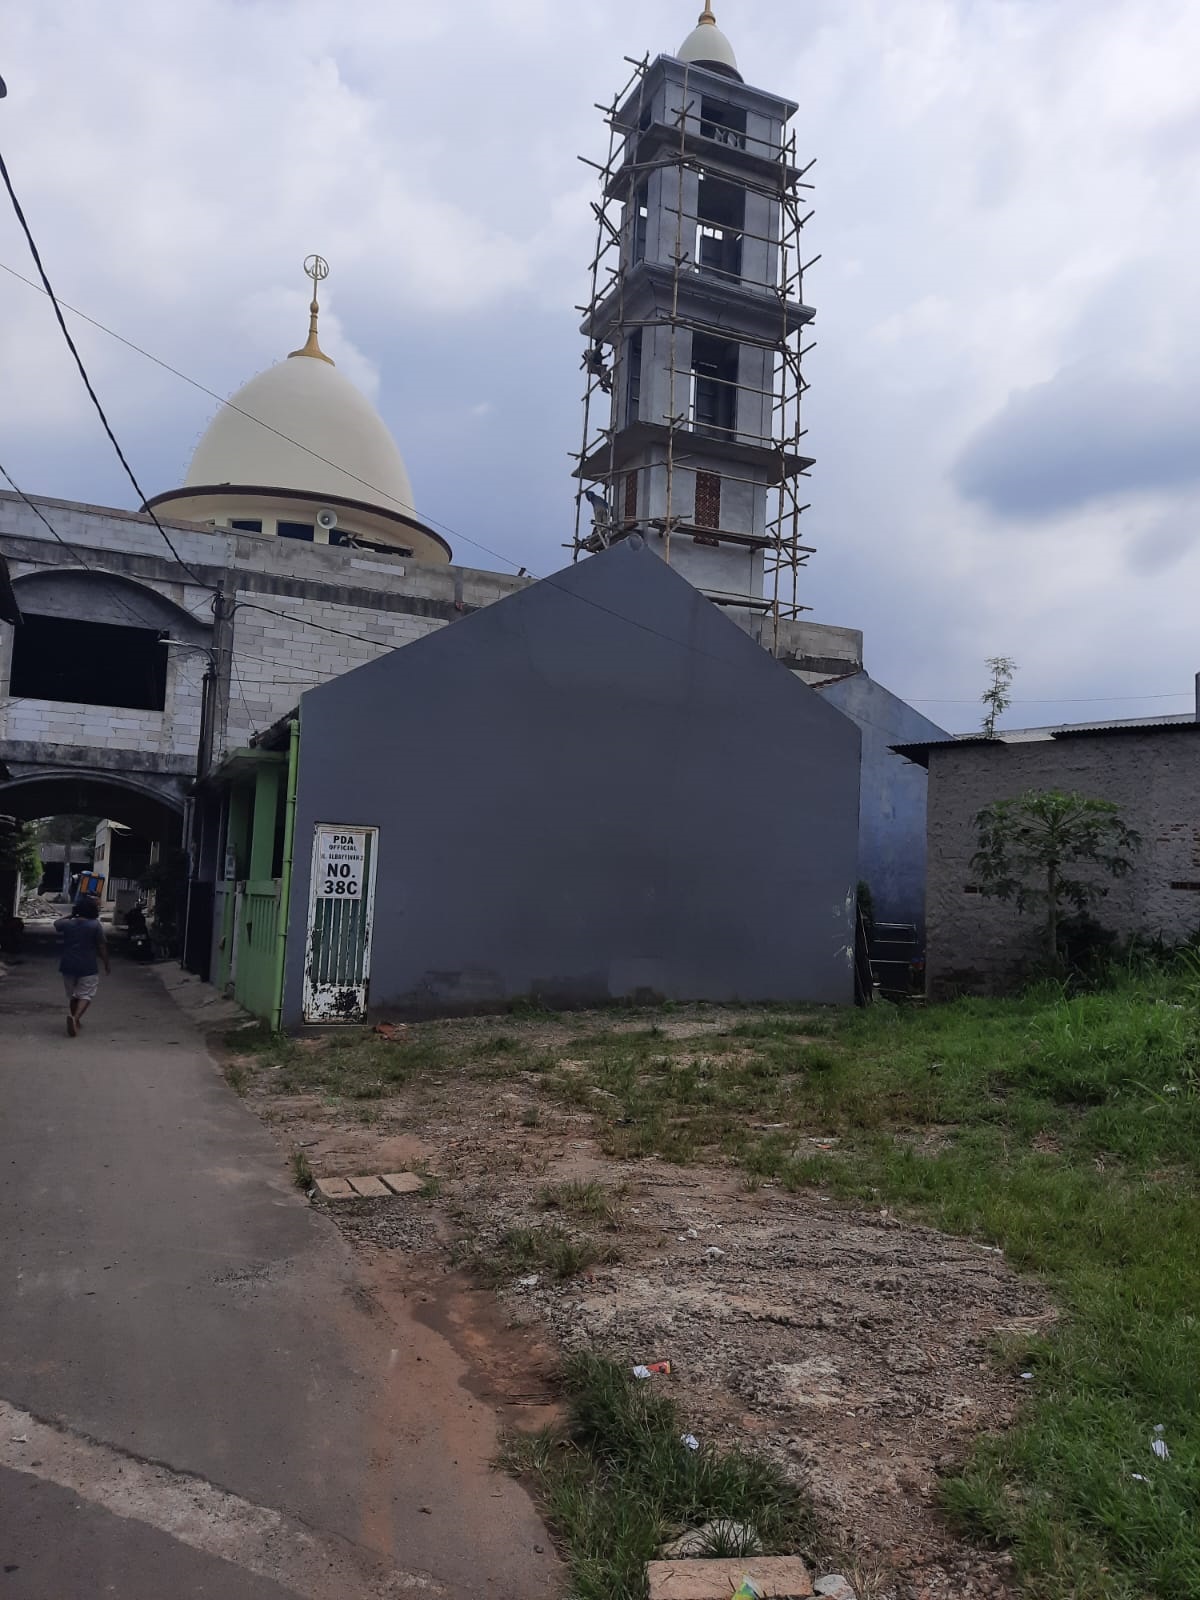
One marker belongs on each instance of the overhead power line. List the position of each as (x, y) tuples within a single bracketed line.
[(222, 400), (83, 372)]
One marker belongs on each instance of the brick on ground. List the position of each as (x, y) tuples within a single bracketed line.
[(335, 1189), (778, 1577), (402, 1182), (370, 1188)]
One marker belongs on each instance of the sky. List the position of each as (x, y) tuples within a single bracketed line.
[(1005, 401)]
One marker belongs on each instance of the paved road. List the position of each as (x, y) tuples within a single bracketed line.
[(198, 1397)]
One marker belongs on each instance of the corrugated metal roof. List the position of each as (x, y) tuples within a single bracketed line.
[(1074, 730)]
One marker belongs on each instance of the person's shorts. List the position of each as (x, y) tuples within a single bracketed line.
[(81, 987)]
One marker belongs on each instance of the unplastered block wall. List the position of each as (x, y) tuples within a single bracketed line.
[(349, 609), (976, 943)]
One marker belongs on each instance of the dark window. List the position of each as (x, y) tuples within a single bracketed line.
[(295, 530), (721, 211), (724, 123), (247, 525), (715, 369), (708, 500), (89, 663), (631, 496), (633, 378)]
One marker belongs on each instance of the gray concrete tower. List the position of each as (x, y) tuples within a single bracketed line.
[(692, 420)]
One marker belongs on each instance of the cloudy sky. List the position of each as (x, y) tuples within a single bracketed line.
[(1006, 390)]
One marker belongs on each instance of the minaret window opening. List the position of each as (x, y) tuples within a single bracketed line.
[(247, 524), (295, 530), (641, 220), (633, 378), (721, 213), (714, 385), (726, 124)]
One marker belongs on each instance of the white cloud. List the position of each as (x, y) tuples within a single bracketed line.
[(1006, 192)]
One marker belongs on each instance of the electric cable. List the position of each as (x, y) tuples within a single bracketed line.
[(83, 373)]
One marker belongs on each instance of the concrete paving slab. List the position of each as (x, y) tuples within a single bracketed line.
[(403, 1182), (370, 1188), (776, 1577)]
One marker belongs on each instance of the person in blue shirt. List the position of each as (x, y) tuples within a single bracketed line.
[(84, 948)]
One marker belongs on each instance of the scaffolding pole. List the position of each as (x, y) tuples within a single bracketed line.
[(686, 148)]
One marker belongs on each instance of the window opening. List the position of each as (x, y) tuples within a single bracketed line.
[(89, 663), (633, 380), (722, 122), (295, 530), (714, 385), (721, 213), (247, 524), (641, 220), (708, 500)]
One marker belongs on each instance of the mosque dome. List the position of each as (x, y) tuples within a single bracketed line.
[(299, 452), (285, 428), (707, 46)]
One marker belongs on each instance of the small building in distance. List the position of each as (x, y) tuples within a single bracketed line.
[(597, 789), (1149, 769)]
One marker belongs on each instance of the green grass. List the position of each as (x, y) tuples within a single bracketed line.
[(1065, 1130), (616, 1481), (582, 1200), (551, 1251), (302, 1173)]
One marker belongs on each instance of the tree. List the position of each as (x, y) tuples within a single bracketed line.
[(996, 697), (19, 851), (1029, 847)]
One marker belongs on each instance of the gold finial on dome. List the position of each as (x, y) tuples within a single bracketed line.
[(317, 268), (707, 15)]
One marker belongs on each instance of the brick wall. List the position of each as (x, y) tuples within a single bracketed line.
[(1154, 777)]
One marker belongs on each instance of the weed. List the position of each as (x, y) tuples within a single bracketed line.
[(581, 1199), (616, 1481), (237, 1077), (519, 1251), (302, 1173), (531, 1116)]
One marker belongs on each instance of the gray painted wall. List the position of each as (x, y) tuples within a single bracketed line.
[(595, 787), (975, 943), (891, 845)]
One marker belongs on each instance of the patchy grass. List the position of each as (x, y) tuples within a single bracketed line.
[(302, 1173), (616, 1481), (348, 1066), (519, 1252), (1063, 1129), (582, 1200)]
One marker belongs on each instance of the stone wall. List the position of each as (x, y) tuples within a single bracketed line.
[(1153, 776)]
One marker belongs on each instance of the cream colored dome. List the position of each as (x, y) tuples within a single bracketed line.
[(307, 400), (707, 46)]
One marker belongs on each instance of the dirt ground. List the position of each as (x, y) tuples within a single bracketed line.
[(845, 1343)]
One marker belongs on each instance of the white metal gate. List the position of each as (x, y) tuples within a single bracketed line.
[(341, 911)]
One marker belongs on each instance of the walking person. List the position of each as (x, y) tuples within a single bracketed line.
[(84, 948)]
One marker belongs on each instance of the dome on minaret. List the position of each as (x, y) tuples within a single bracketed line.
[(707, 46), (301, 453)]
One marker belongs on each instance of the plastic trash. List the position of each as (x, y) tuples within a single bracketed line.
[(531, 1282), (1027, 1376), (713, 1253), (653, 1369), (1159, 1445), (749, 1591), (690, 1440), (1139, 1477)]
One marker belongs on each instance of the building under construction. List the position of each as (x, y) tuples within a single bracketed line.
[(696, 331)]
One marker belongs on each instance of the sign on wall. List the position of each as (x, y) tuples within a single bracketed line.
[(341, 863), (341, 902)]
